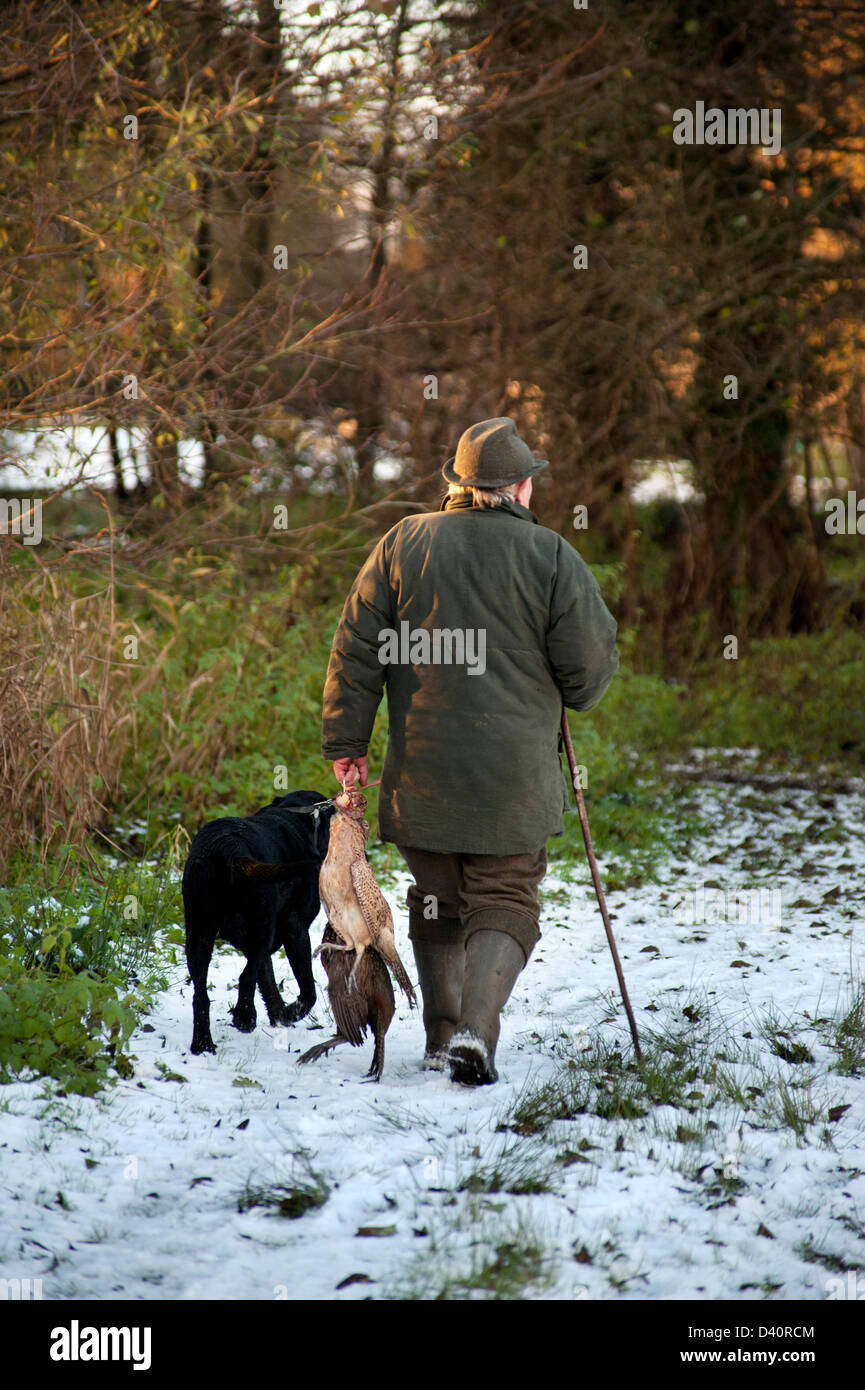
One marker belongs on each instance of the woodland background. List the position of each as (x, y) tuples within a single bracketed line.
[(312, 243)]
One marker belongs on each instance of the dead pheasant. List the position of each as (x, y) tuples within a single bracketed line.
[(369, 1005), (355, 905)]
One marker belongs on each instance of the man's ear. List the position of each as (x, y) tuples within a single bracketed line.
[(524, 492)]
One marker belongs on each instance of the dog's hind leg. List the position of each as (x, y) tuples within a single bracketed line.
[(277, 1011), (243, 1014), (199, 949)]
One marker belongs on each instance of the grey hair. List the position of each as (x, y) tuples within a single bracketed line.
[(486, 496)]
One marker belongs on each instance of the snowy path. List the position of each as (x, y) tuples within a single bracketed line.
[(135, 1195)]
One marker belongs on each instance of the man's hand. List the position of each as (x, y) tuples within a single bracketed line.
[(351, 770)]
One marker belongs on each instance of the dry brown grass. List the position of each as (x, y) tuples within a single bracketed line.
[(64, 709), (89, 731)]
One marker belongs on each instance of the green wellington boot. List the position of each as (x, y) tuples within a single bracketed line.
[(440, 956), (494, 959)]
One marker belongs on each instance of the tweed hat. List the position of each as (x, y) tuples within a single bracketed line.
[(491, 454)]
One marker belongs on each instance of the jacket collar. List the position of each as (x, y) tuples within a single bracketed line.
[(463, 502)]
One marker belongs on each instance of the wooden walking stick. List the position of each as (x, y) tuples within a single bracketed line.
[(596, 879)]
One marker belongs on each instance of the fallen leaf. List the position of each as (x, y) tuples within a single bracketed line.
[(354, 1279), (836, 1112)]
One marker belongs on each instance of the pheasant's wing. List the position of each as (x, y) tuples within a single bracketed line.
[(377, 916), (371, 900), (348, 1006)]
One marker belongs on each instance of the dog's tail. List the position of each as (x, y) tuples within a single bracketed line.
[(253, 868)]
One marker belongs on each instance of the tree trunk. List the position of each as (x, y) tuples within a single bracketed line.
[(369, 391)]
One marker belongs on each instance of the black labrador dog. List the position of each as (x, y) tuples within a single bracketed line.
[(253, 881)]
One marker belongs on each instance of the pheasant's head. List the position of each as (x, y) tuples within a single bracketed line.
[(351, 802)]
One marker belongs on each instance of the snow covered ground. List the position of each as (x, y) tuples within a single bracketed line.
[(710, 1194)]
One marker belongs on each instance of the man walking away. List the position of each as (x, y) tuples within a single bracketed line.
[(480, 623)]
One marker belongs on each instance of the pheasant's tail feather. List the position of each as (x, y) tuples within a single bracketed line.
[(402, 979), (321, 1049)]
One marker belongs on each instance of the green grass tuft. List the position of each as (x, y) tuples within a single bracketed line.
[(304, 1190)]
